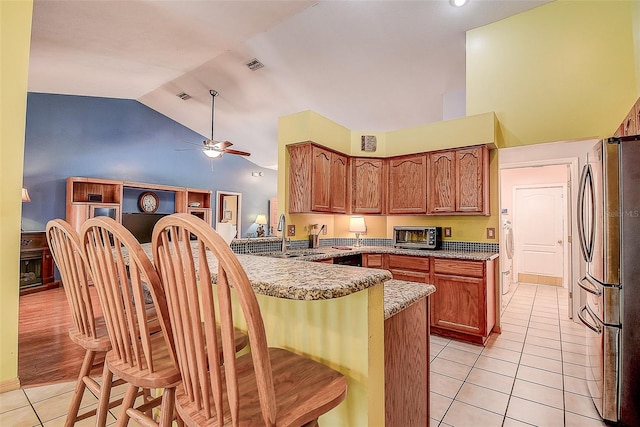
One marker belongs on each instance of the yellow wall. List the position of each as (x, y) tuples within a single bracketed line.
[(562, 71), (636, 40), (15, 37), (310, 126), (471, 130)]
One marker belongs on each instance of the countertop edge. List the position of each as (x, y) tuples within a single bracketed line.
[(400, 294), (327, 252)]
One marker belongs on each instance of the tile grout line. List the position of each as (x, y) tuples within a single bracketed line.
[(564, 400), (32, 407), (515, 375)]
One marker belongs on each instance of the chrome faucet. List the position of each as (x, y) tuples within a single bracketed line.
[(282, 226)]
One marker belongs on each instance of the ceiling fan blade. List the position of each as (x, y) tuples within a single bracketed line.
[(221, 145), (188, 149), (239, 153), (190, 143)]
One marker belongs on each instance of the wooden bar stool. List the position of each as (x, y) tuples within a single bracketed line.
[(88, 331), (269, 386), (142, 357)]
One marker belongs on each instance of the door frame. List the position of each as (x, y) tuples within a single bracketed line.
[(565, 232), (575, 296)]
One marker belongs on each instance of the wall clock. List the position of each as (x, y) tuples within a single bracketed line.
[(148, 202)]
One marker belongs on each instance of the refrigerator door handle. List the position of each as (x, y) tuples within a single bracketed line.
[(586, 246), (583, 319), (590, 288)]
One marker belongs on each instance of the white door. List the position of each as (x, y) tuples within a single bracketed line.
[(539, 232)]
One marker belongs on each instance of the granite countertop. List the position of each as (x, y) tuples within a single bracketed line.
[(325, 252), (399, 295), (292, 279)]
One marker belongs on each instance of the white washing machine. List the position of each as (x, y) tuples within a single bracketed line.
[(507, 266)]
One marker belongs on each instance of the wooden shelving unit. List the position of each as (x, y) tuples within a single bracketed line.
[(89, 197)]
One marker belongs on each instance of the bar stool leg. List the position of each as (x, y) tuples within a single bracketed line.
[(74, 407)]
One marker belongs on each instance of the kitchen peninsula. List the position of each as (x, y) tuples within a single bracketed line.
[(338, 315)]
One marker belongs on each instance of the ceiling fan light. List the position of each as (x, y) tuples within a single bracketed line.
[(212, 154)]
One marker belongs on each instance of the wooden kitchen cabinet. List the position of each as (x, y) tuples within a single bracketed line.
[(317, 179), (367, 193), (631, 123), (463, 306), (458, 181), (472, 177), (441, 196), (339, 187), (299, 178), (406, 366), (446, 182), (373, 261), (407, 185), (410, 268), (320, 179)]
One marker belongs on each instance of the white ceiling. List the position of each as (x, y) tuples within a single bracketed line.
[(368, 65)]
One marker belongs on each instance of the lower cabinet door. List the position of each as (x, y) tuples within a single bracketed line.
[(458, 304)]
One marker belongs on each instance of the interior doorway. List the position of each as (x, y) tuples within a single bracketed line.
[(539, 218), (570, 155), (536, 203)]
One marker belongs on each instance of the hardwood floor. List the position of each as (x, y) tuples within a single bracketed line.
[(46, 354)]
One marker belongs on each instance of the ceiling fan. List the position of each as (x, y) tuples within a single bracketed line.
[(210, 147)]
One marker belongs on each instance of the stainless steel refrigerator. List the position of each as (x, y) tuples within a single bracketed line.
[(609, 232)]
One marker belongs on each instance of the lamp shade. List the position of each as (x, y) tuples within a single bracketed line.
[(25, 195), (357, 225), (261, 219)]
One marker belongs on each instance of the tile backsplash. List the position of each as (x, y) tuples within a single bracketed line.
[(273, 244)]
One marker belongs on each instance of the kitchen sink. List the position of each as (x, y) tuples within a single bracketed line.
[(285, 255), (296, 254)]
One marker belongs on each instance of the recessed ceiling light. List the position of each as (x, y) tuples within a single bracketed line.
[(458, 3)]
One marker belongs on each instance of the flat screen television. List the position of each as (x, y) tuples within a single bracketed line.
[(141, 225)]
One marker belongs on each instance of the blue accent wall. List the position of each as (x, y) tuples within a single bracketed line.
[(124, 140)]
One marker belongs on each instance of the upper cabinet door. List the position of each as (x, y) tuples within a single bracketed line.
[(299, 178), (407, 185), (367, 189), (459, 181), (321, 180), (441, 182), (636, 118), (339, 183), (629, 123), (470, 179), (317, 179)]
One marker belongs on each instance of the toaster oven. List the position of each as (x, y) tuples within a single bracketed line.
[(417, 237)]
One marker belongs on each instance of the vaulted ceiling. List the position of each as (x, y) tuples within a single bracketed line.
[(368, 65)]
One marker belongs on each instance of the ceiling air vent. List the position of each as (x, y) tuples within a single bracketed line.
[(184, 96), (254, 64)]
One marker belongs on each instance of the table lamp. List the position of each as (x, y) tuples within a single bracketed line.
[(357, 225), (261, 220)]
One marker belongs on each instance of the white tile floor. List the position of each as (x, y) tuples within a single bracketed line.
[(531, 374)]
